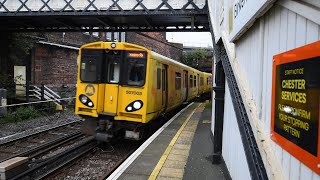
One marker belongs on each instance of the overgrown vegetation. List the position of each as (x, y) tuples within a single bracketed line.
[(19, 47), (192, 58), (20, 114)]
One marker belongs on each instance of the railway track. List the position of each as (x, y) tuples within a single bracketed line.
[(99, 163), (41, 167), (40, 141), (67, 154)]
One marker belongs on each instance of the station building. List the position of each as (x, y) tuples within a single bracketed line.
[(259, 45)]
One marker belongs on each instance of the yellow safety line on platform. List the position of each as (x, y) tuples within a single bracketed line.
[(166, 153)]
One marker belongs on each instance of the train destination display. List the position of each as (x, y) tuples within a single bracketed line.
[(295, 103)]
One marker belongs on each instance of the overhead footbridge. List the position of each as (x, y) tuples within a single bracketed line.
[(103, 15)]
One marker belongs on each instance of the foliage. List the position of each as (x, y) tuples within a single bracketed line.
[(21, 114), (20, 45), (192, 58)]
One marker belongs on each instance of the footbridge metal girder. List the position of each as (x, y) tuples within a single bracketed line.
[(104, 15)]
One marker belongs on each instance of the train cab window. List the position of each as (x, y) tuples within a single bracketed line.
[(158, 78), (195, 81), (178, 80), (114, 72), (90, 66), (135, 73), (190, 81)]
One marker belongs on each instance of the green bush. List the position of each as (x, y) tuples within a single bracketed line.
[(21, 114)]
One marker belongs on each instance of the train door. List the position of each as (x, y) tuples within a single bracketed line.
[(185, 85), (164, 86), (112, 78)]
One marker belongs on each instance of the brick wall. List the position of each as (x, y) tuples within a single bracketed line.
[(156, 41), (72, 38), (56, 67)]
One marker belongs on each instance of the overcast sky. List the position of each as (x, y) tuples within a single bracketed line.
[(198, 39)]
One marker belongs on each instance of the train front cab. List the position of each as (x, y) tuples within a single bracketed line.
[(112, 89)]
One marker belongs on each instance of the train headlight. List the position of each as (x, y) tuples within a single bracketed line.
[(134, 106), (137, 105), (90, 104), (84, 99), (113, 45)]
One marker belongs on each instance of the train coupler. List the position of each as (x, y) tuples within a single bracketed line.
[(103, 137)]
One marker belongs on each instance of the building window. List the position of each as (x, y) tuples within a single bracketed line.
[(96, 34), (123, 37), (108, 36), (178, 80), (116, 36)]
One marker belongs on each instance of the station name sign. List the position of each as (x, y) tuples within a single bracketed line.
[(295, 103), (243, 13)]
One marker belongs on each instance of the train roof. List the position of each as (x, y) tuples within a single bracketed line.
[(102, 44)]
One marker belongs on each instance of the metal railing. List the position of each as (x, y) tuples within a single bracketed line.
[(44, 93)]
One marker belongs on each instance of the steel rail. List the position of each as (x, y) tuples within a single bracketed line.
[(61, 159), (45, 147), (36, 133)]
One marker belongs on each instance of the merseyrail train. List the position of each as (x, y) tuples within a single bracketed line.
[(122, 87)]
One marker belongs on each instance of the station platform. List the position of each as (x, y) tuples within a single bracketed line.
[(181, 149)]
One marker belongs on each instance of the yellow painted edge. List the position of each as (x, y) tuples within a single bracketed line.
[(166, 153)]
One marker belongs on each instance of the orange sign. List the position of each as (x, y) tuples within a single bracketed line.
[(295, 103), (136, 55)]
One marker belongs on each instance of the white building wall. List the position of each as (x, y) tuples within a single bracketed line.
[(285, 26), (232, 147), (282, 30)]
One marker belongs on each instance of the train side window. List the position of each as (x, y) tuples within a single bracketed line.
[(190, 81), (163, 80), (158, 78), (201, 81), (195, 81), (178, 80)]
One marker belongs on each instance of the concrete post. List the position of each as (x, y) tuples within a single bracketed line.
[(3, 102)]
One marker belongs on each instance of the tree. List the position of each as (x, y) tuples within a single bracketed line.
[(192, 58)]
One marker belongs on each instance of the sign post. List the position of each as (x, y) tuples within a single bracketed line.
[(295, 103)]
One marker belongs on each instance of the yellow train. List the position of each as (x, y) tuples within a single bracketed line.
[(121, 87)]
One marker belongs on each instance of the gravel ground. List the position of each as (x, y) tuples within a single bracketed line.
[(96, 164), (16, 130)]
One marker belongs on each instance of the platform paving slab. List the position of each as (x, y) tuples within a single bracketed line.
[(143, 166), (199, 164), (13, 167)]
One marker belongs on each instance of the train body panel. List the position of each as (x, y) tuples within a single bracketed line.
[(125, 85)]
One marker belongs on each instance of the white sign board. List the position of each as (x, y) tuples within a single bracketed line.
[(243, 13), (20, 80)]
